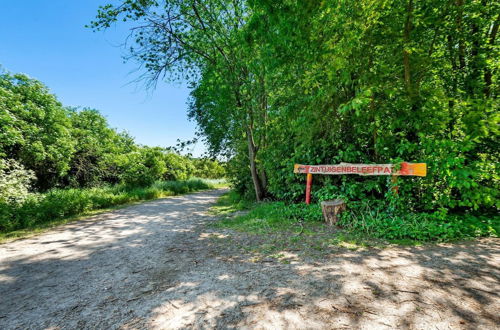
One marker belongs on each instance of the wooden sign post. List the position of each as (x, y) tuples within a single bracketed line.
[(309, 181), (406, 169)]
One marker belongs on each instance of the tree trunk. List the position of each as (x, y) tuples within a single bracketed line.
[(259, 192), (487, 72), (406, 55), (332, 209), (252, 149)]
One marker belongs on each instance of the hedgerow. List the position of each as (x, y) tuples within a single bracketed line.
[(40, 208)]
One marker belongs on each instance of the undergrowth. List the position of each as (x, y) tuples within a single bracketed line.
[(362, 222), (377, 221)]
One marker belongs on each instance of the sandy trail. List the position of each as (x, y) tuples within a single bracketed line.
[(158, 265)]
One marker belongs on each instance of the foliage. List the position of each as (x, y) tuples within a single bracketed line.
[(34, 129), (57, 204), (15, 181), (142, 167), (178, 167), (208, 168), (97, 144), (69, 147), (315, 82)]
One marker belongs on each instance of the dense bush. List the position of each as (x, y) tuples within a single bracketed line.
[(96, 148), (208, 168), (57, 204), (143, 167), (178, 167), (67, 147), (15, 182), (35, 129)]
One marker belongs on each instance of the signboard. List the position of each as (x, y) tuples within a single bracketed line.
[(414, 169)]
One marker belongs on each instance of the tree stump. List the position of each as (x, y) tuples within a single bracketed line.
[(331, 209)]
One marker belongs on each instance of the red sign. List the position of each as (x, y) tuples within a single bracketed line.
[(414, 169)]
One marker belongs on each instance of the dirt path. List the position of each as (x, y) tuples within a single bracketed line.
[(158, 265)]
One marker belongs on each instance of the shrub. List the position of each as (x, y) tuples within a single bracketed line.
[(62, 203), (208, 168), (15, 181), (177, 167), (142, 168)]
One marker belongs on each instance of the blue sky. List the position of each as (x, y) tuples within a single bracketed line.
[(47, 40)]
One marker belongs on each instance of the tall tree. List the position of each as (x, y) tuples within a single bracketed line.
[(282, 82), (34, 129), (191, 39)]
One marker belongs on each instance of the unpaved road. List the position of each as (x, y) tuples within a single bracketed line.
[(158, 265)]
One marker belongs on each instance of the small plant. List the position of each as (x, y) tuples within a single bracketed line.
[(375, 220)]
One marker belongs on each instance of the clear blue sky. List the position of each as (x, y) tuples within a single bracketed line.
[(47, 40)]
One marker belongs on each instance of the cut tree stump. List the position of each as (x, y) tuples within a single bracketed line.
[(331, 209)]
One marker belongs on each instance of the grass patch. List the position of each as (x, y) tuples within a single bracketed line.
[(278, 226), (272, 227), (406, 228), (58, 206), (216, 183), (229, 203), (269, 217)]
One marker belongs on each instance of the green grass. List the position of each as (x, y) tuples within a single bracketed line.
[(58, 206), (216, 183), (229, 203), (278, 225), (271, 216), (407, 228)]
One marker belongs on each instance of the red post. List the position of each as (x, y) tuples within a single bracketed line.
[(308, 188)]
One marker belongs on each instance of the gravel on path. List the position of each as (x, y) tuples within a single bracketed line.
[(158, 265)]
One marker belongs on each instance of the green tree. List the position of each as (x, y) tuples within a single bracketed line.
[(97, 143), (191, 39), (281, 82), (34, 128)]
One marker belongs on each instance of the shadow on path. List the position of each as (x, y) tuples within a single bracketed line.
[(157, 265)]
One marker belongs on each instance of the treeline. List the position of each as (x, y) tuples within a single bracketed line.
[(57, 162), (44, 145), (323, 82)]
